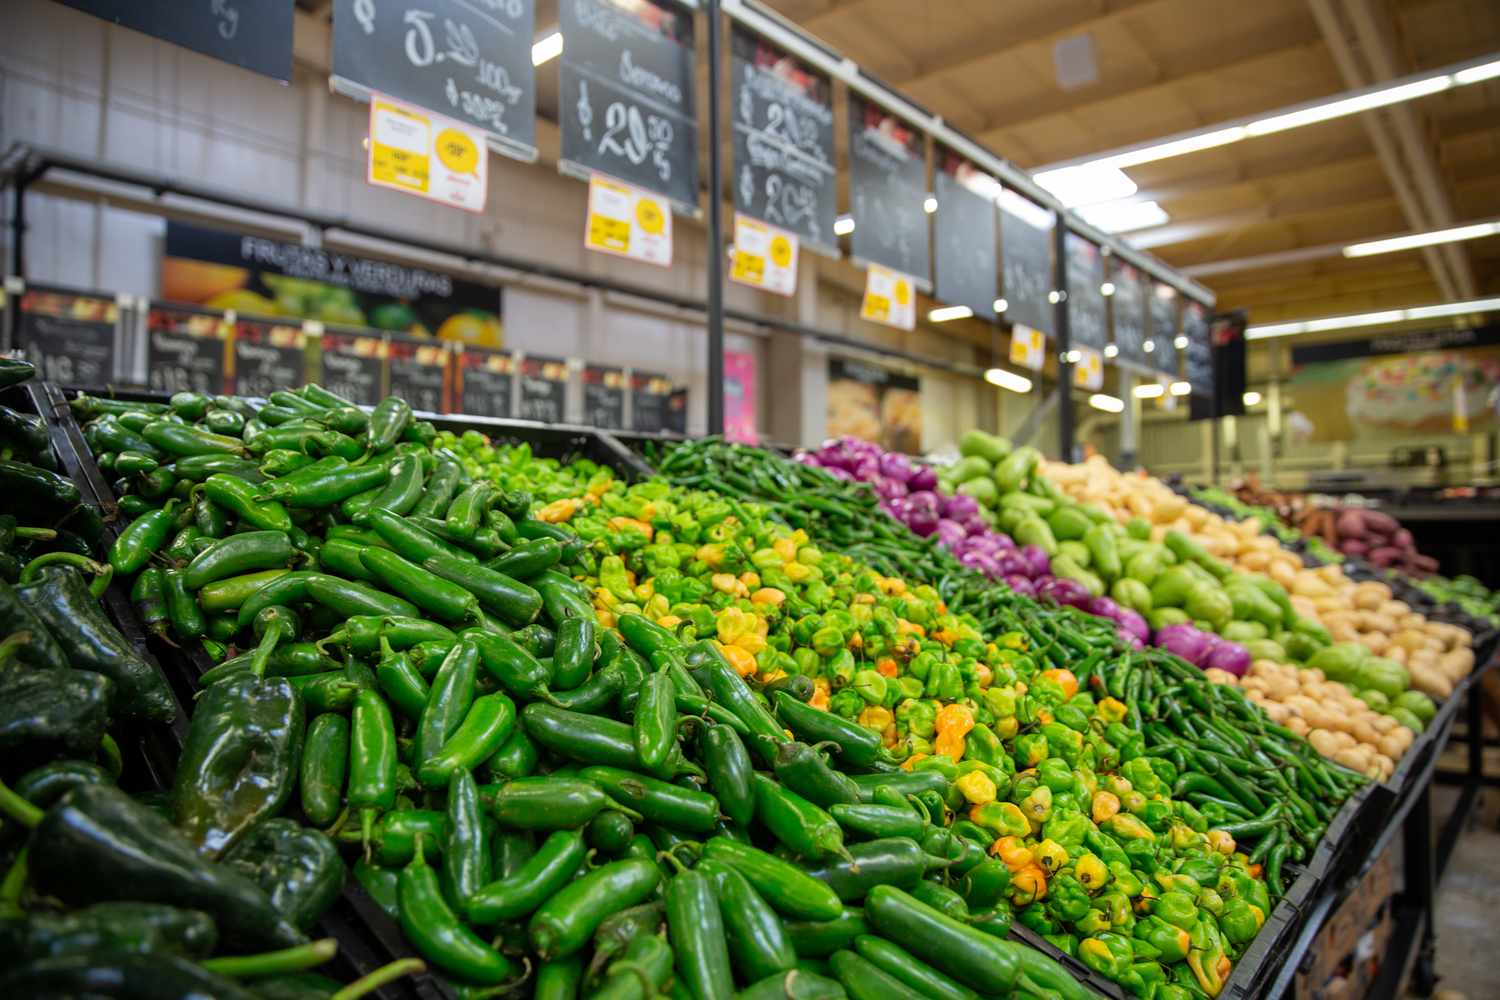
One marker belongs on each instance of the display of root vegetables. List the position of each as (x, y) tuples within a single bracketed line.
[(1369, 534)]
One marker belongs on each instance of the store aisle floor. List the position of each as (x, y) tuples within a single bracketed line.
[(1467, 933)]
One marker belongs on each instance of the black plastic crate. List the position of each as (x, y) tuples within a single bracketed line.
[(1101, 986)]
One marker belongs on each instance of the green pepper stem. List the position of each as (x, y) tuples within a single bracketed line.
[(102, 572), (372, 981), (261, 659), (15, 880), (36, 534), (114, 761), (274, 963), (17, 808)]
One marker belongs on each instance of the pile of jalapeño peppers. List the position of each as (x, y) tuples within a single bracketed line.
[(598, 739)]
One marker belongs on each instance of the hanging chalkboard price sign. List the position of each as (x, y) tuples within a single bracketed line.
[(72, 339), (255, 35), (784, 172), (650, 393), (544, 389), (628, 84), (1200, 351), (604, 397), (185, 350), (1087, 324), (887, 188), (266, 356), (467, 59), (1164, 329), (486, 382), (965, 228), (419, 373), (1026, 259), (677, 406), (1128, 306), (354, 366)]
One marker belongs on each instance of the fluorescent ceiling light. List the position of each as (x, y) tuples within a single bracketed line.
[(1326, 110), (1110, 350), (1107, 289), (1475, 74), (1086, 184), (944, 313), (1251, 398), (1294, 327), (1178, 147), (843, 225), (930, 205), (1180, 342), (547, 48), (1181, 389), (1150, 390), (1000, 305), (1124, 216), (1427, 239), (1007, 379), (1109, 404)]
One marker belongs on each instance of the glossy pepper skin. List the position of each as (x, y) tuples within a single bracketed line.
[(46, 714), (372, 759), (137, 928), (517, 894), (729, 771), (324, 768), (97, 844), (437, 933), (696, 928), (122, 975), (298, 868), (564, 923), (387, 422)]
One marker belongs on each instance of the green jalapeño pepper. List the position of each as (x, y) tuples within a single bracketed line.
[(372, 760)]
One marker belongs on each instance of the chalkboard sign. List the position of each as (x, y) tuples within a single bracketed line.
[(628, 92), (1200, 352), (887, 186), (1164, 329), (267, 356), (185, 350), (353, 366), (677, 404), (253, 34), (650, 394), (486, 382), (1128, 306), (544, 389), (604, 397), (1026, 259), (467, 59), (965, 235), (419, 373), (1087, 324), (784, 161), (72, 339)]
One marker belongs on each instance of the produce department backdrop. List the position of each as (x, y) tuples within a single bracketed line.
[(259, 276)]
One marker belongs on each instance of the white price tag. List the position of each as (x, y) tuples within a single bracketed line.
[(1088, 370), (628, 221), (890, 298), (424, 154), (764, 256), (1028, 347)]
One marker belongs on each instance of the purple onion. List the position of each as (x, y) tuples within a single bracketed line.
[(1186, 641), (890, 489), (807, 458), (1060, 590), (837, 473), (951, 533), (923, 478), (894, 465), (1132, 622), (1020, 584), (960, 507), (1037, 557), (1012, 563), (1228, 656), (1104, 607)]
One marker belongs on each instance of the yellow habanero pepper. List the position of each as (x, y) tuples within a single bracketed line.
[(1111, 710), (558, 511), (621, 523), (1028, 885), (768, 595), (977, 788), (740, 659), (1013, 852), (1051, 856), (876, 717), (1090, 872), (1221, 841), (1105, 805)]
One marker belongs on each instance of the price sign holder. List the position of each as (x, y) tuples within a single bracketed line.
[(265, 355), (352, 362), (417, 152), (484, 382), (417, 371), (1028, 347), (544, 388), (765, 256), (186, 349), (890, 298), (73, 338), (604, 397), (1088, 370), (628, 221)]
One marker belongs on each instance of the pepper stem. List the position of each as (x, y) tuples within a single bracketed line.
[(35, 534), (100, 571), (367, 831), (274, 963), (372, 981), (261, 658), (17, 808), (15, 880)]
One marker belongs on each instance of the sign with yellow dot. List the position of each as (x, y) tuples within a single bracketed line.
[(890, 298), (1088, 370), (413, 150), (628, 221), (1028, 347), (764, 256)]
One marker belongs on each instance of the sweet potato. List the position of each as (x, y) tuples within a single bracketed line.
[(1384, 556), (1351, 524), (1379, 523)]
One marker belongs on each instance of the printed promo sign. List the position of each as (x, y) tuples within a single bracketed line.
[(424, 154), (629, 222), (890, 298), (765, 257)]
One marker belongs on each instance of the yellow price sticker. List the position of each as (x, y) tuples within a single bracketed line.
[(749, 267), (649, 216), (903, 292), (781, 251), (612, 234), (457, 151)]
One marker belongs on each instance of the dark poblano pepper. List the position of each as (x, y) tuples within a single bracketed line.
[(121, 975), (136, 928), (239, 762), (46, 714), (298, 868), (39, 648)]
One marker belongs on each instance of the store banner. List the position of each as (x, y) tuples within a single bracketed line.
[(739, 397), (1026, 261), (765, 257), (628, 221), (1088, 322), (875, 404), (470, 61), (255, 36), (420, 153), (890, 298), (1164, 326), (1088, 370), (417, 371), (257, 276), (186, 349), (964, 233), (785, 171), (1442, 339), (628, 84), (604, 397), (543, 389), (352, 364), (72, 338), (1028, 347), (1128, 311), (266, 356), (887, 189), (485, 382)]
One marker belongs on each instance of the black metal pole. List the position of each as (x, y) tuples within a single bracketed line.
[(1065, 430), (715, 232), (18, 223)]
